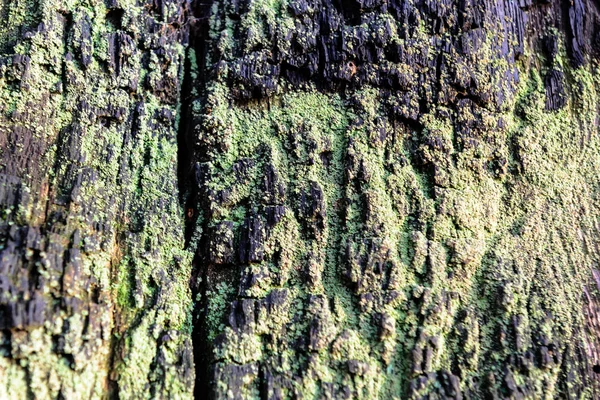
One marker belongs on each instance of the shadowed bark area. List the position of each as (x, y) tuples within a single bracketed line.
[(397, 199)]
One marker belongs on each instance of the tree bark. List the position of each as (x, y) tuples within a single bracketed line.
[(398, 200), (94, 292), (299, 199)]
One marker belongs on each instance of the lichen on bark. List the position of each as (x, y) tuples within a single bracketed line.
[(398, 199), (305, 199), (94, 295)]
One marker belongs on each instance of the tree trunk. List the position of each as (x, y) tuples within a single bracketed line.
[(94, 279), (399, 199), (300, 199)]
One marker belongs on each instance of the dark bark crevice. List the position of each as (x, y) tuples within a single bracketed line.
[(191, 178)]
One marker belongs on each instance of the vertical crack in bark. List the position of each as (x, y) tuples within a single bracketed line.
[(190, 186)]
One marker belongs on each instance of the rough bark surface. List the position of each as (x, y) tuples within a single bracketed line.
[(308, 199), (398, 199), (94, 292)]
